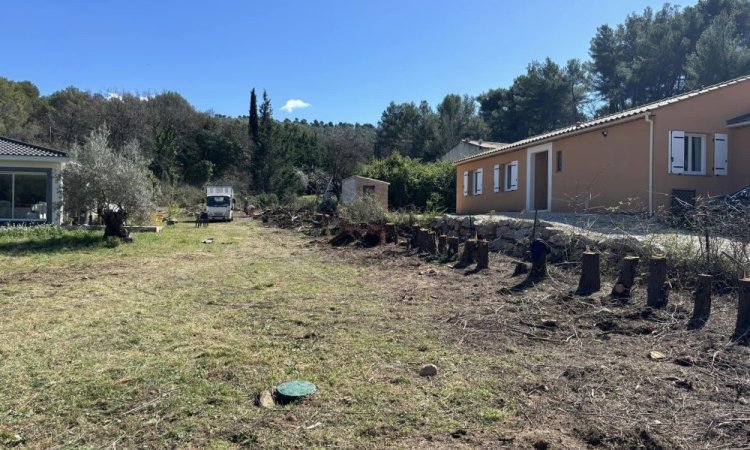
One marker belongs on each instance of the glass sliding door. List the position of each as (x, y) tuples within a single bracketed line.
[(6, 196), (23, 196), (30, 197)]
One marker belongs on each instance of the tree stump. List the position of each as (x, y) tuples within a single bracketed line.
[(701, 301), (429, 244), (742, 329), (483, 254), (453, 245), (590, 280), (469, 255), (539, 251), (658, 293), (626, 278), (414, 243), (442, 244), (391, 233), (114, 224), (521, 269)]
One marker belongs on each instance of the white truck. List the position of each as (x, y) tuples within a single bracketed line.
[(220, 202)]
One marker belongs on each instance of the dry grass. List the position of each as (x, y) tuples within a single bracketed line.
[(165, 343)]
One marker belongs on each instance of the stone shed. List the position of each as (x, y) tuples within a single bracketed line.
[(356, 186)]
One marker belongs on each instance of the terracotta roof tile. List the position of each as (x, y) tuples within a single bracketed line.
[(633, 112), (12, 147)]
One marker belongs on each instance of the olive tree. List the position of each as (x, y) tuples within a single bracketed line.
[(116, 183)]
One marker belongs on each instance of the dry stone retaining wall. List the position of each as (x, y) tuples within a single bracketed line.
[(511, 236)]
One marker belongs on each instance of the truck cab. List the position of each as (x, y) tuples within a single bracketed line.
[(220, 203)]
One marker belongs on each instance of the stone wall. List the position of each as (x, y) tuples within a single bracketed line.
[(512, 236)]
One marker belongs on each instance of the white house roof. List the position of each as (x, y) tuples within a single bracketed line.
[(365, 178), (12, 147), (632, 113)]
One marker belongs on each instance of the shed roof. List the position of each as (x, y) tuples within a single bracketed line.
[(630, 114), (365, 178), (12, 147)]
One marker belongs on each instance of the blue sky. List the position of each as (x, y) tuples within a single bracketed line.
[(347, 59)]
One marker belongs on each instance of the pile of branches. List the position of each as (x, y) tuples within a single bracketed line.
[(721, 225), (301, 219), (363, 234)]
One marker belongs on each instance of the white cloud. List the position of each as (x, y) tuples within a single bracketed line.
[(293, 104), (114, 96)]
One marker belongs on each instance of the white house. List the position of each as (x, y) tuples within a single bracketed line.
[(30, 183)]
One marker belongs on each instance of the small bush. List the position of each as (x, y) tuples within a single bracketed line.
[(364, 209), (329, 205), (414, 184), (264, 200)]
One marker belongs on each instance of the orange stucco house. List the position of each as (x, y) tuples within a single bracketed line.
[(697, 143)]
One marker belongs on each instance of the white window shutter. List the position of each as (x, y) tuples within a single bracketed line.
[(497, 177), (466, 183), (514, 176), (721, 154), (676, 152), (478, 187)]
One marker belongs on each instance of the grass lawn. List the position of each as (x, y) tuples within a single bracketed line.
[(166, 343)]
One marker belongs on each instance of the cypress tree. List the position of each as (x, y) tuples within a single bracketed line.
[(252, 128)]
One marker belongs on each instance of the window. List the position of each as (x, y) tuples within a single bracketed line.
[(496, 178), (559, 161), (23, 196), (511, 176), (466, 183), (217, 201), (695, 154), (687, 153), (478, 182), (368, 190), (6, 196)]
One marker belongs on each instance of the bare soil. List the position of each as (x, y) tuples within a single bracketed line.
[(589, 381)]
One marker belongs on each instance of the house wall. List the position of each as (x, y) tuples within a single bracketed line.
[(601, 171), (597, 171), (739, 157), (490, 200), (7, 164), (353, 187), (704, 114)]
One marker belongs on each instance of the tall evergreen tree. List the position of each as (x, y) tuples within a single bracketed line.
[(252, 126), (262, 166)]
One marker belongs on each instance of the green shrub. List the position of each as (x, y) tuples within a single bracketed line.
[(329, 205), (415, 184), (364, 209), (264, 200)]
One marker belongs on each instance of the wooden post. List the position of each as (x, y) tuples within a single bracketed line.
[(742, 329), (453, 245), (469, 255), (442, 244), (701, 301), (391, 233), (414, 243), (658, 294), (626, 278), (483, 254), (590, 280), (539, 252)]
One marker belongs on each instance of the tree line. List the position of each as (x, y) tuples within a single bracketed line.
[(650, 56)]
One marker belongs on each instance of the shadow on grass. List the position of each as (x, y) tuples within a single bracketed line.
[(53, 244)]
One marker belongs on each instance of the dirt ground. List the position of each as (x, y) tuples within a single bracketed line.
[(589, 380)]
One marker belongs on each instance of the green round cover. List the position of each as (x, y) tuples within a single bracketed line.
[(296, 389)]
